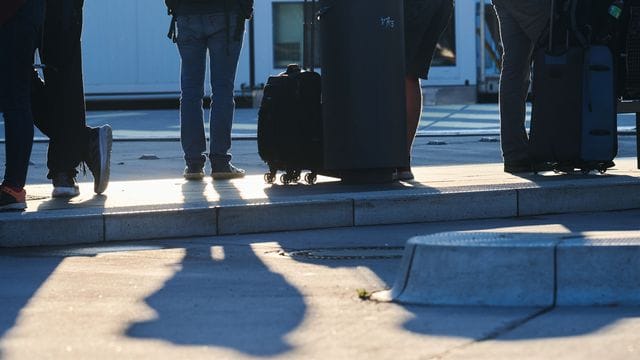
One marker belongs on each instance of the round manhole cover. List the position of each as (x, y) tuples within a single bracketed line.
[(348, 253)]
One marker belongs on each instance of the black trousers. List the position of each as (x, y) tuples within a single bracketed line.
[(19, 38), (58, 104)]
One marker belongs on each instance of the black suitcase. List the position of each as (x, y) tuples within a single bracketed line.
[(574, 121), (290, 125), (290, 120), (363, 88)]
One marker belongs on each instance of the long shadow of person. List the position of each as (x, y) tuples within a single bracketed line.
[(224, 296), (21, 277)]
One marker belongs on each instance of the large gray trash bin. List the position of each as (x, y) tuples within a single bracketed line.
[(363, 91)]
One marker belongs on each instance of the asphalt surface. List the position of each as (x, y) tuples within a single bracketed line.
[(292, 295), (299, 294)]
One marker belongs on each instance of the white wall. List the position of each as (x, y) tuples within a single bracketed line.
[(126, 49), (466, 67)]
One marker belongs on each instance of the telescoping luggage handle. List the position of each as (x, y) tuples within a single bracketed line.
[(309, 38), (573, 28)]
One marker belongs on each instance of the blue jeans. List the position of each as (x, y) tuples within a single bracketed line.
[(19, 38), (197, 34)]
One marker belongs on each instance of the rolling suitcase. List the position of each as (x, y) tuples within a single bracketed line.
[(363, 88), (574, 122), (290, 124)]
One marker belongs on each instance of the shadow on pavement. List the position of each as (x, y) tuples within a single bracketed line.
[(96, 201), (21, 277), (202, 305)]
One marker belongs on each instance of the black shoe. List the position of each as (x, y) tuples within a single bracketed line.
[(518, 167), (99, 157), (194, 172), (65, 185), (226, 171)]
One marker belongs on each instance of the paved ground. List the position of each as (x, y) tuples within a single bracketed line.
[(258, 296), (156, 133), (481, 119)]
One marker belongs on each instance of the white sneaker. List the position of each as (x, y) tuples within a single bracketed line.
[(64, 186)]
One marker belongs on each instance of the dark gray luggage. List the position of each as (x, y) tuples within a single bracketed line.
[(574, 121)]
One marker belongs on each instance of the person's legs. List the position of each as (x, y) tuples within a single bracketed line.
[(414, 107), (64, 91), (224, 49), (426, 22), (193, 51), (514, 85), (18, 40)]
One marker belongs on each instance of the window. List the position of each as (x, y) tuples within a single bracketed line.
[(289, 42), (288, 34)]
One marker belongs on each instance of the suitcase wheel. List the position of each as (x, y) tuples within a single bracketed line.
[(285, 179), (290, 176), (269, 178), (310, 178)]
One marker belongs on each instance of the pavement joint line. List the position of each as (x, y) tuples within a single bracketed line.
[(494, 334), (516, 324)]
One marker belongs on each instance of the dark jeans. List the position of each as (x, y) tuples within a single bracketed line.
[(514, 85), (18, 41), (58, 104)]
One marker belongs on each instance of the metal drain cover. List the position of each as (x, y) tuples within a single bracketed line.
[(349, 253)]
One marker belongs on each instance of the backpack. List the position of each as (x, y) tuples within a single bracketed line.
[(246, 8)]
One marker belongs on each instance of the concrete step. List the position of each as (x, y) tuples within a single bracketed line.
[(516, 269), (169, 208)]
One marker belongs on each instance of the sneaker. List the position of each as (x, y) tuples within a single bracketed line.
[(12, 198), (194, 172), (99, 158), (64, 185), (403, 174), (227, 171)]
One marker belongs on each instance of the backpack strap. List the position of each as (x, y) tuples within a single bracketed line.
[(172, 5)]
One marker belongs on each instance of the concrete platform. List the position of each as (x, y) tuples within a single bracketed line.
[(165, 208), (508, 269)]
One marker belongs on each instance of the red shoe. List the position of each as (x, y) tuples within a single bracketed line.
[(12, 198)]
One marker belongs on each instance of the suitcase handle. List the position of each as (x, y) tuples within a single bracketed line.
[(553, 8), (309, 38)]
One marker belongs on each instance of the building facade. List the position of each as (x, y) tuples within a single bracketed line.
[(127, 53)]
